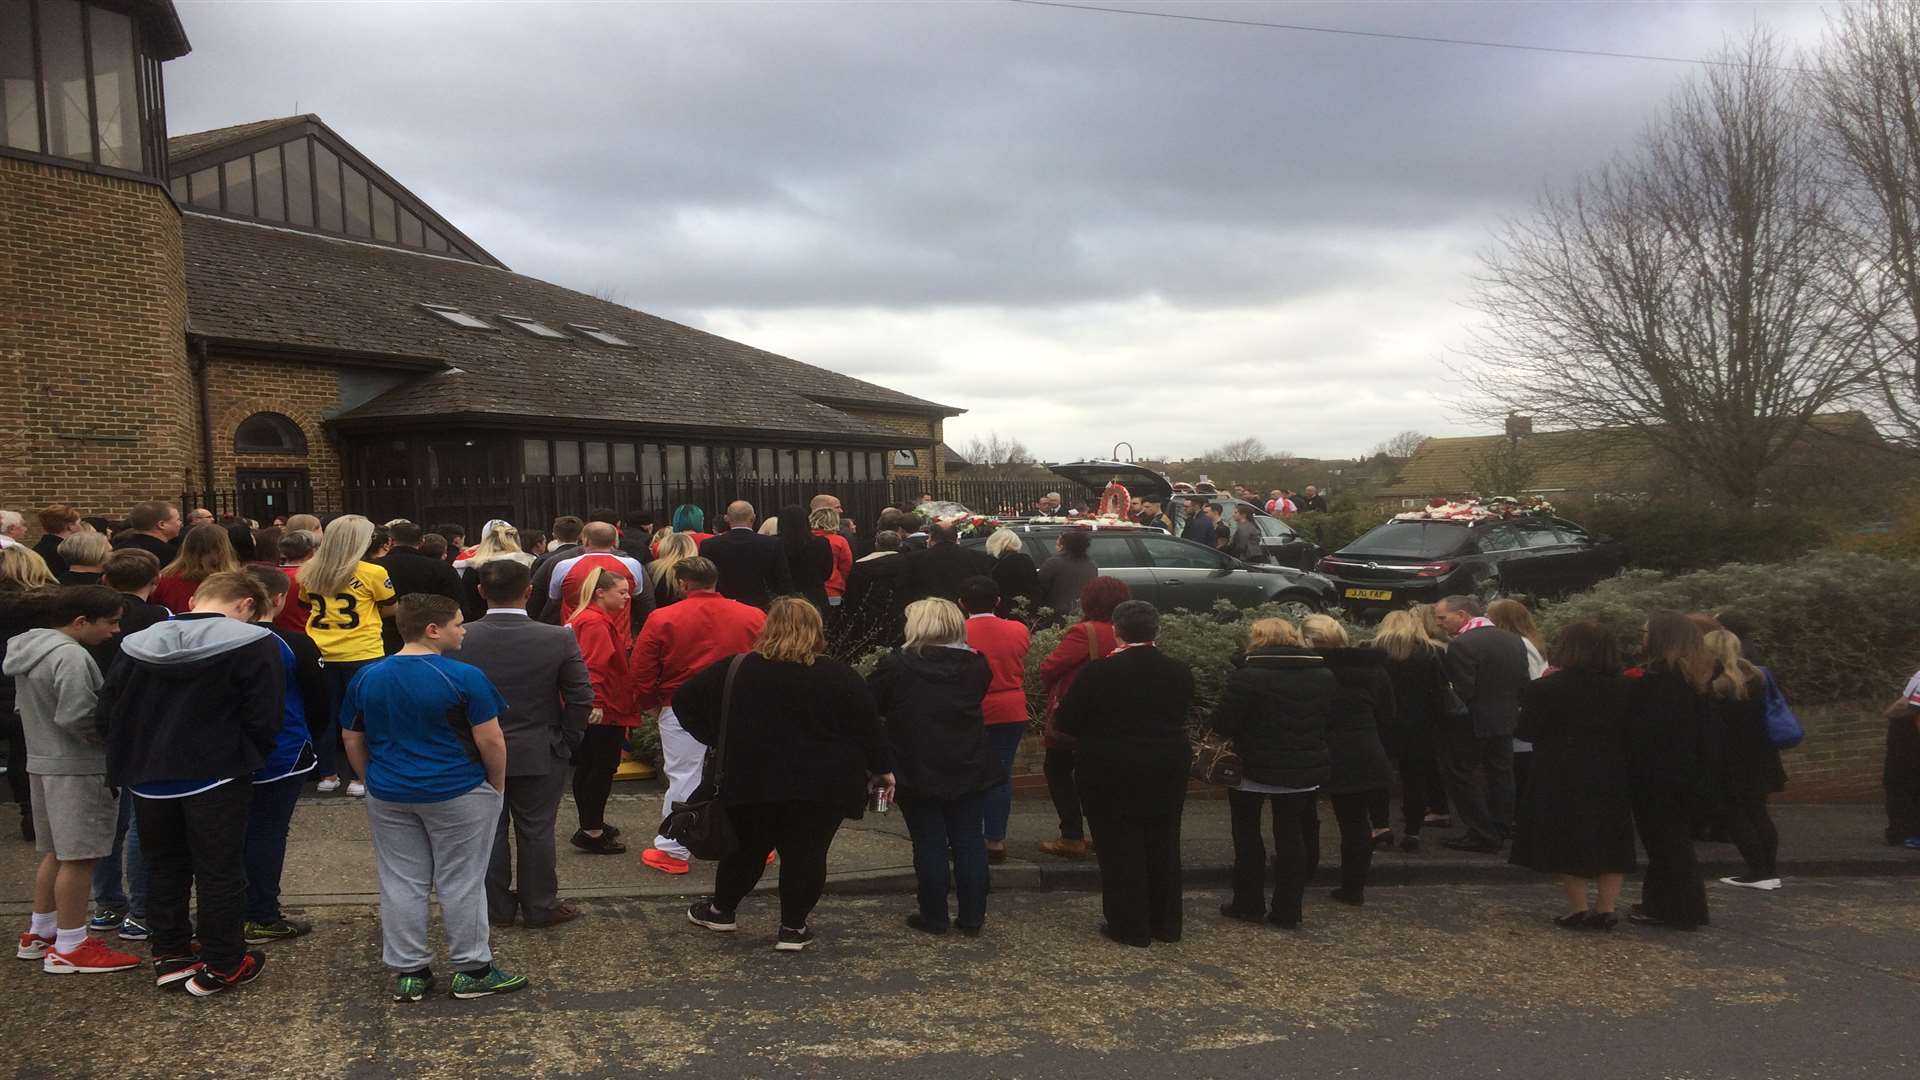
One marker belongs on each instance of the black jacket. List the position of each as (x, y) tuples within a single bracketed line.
[(797, 733), (164, 550), (192, 699), (1578, 818), (1750, 763), (1276, 708), (931, 702), (310, 682), (1487, 667), (543, 578), (1019, 580), (809, 568), (1421, 699), (939, 570), (1670, 733), (412, 572), (139, 615), (1362, 706), (870, 615), (638, 544), (1128, 716), (48, 548), (753, 568)]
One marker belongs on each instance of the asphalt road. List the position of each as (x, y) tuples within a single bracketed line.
[(1821, 979)]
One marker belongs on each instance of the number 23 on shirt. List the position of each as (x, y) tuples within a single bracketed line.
[(346, 625)]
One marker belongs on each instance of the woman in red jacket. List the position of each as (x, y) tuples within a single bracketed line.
[(606, 641), (1088, 640), (826, 525), (1004, 643)]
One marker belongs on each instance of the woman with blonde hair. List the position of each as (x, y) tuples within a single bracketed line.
[(498, 540), (346, 597), (1360, 775), (1420, 696), (930, 691), (1750, 768), (206, 550), (799, 752), (1669, 730), (825, 523), (605, 634), (1276, 707), (1015, 572), (669, 552)]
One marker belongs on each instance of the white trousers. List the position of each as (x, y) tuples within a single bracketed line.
[(685, 756)]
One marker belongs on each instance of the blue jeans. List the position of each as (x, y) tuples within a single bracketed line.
[(268, 817), (937, 827), (328, 747), (1005, 740), (108, 895)]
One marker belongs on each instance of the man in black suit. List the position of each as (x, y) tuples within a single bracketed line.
[(1488, 668), (539, 671), (1128, 716), (753, 568), (1312, 502), (942, 566), (566, 544), (153, 527), (1199, 524), (413, 572), (636, 535)]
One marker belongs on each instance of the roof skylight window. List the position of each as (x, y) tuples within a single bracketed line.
[(604, 337), (535, 327), (459, 318)]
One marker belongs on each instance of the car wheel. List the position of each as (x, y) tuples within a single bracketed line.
[(1297, 604)]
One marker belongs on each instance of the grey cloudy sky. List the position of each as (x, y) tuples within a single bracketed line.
[(1081, 227)]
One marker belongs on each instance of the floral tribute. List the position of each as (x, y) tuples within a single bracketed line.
[(1473, 510)]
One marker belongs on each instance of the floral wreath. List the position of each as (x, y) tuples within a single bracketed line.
[(1472, 511)]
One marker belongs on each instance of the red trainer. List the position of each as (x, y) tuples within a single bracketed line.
[(772, 855), (92, 957), (33, 947), (663, 862), (207, 982)]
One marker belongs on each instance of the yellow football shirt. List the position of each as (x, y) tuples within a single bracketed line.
[(346, 625)]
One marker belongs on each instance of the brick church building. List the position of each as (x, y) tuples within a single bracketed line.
[(261, 319)]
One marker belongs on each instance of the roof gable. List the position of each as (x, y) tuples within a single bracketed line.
[(298, 172)]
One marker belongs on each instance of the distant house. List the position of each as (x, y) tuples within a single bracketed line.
[(1572, 468)]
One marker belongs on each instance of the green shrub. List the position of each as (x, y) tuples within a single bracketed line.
[(1338, 528), (1834, 626), (1680, 538)]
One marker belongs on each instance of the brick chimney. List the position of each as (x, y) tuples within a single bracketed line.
[(1519, 427)]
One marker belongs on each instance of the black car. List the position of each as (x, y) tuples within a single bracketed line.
[(1278, 540), (1175, 573), (1406, 562)]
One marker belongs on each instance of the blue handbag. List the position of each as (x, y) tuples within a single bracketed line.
[(1783, 728)]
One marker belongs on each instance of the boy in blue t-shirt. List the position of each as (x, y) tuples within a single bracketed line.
[(425, 732)]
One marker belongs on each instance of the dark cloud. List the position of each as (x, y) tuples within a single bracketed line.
[(873, 186)]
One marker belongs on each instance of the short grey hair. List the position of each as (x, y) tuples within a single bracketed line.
[(1002, 542), (1468, 605), (10, 519), (1136, 622)]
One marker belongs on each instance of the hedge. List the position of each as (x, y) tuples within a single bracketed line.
[(1680, 538), (1834, 626)]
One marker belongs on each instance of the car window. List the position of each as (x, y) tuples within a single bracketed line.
[(1113, 553), (1169, 554), (1497, 537), (1412, 540), (1537, 536), (1271, 526), (1571, 533)]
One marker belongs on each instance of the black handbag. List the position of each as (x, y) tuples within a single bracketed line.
[(703, 826)]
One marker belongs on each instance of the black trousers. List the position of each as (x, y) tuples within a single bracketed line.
[(1671, 889), (1421, 790), (1356, 840), (1058, 768), (1901, 774), (1139, 869), (801, 832), (1479, 772), (1522, 790), (1753, 833), (594, 763), (17, 784), (1294, 821), (197, 845)]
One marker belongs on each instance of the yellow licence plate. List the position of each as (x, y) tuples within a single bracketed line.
[(1369, 594)]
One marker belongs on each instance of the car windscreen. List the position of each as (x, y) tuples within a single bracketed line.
[(1411, 540)]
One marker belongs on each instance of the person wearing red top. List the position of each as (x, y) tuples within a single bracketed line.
[(1090, 639), (826, 524), (675, 644), (600, 547), (1004, 643), (606, 642), (295, 548)]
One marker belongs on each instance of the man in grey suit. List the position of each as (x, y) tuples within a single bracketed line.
[(1488, 668), (539, 671)]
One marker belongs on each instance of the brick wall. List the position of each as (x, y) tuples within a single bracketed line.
[(96, 401), (925, 434), (1842, 757), (304, 393)]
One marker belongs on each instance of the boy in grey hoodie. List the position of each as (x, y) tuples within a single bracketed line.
[(56, 683)]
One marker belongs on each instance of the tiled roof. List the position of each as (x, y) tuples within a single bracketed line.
[(1602, 461), (281, 287), (181, 147)]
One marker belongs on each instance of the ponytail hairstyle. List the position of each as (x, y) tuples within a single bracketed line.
[(674, 549), (496, 539)]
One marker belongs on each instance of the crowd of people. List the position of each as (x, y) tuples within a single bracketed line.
[(175, 684)]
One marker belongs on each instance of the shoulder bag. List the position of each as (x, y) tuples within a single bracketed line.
[(703, 827), (1783, 727)]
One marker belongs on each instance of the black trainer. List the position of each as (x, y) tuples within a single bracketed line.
[(702, 912), (793, 940)]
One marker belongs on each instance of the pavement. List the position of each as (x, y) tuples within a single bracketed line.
[(330, 855), (1434, 982)]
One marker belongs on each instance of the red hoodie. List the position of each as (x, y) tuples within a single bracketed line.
[(1004, 643), (842, 561), (681, 639), (607, 644)]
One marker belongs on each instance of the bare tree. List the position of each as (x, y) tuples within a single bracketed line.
[(1244, 451), (1868, 95), (1400, 445), (1503, 467), (1689, 296), (995, 450)]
